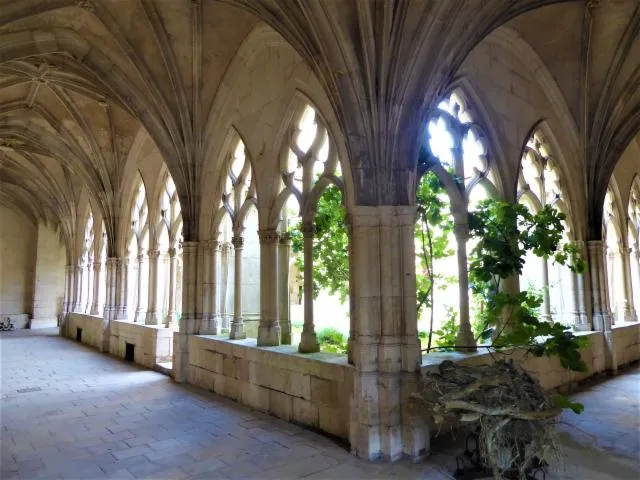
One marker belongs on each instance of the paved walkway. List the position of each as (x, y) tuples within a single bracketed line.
[(69, 412)]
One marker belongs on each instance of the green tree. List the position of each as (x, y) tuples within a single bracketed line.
[(330, 246)]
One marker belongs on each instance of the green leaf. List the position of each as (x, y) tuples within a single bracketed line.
[(562, 401)]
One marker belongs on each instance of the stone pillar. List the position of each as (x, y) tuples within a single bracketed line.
[(152, 317), (308, 340), (580, 316), (237, 326), (284, 301), (386, 350), (110, 306), (87, 302), (141, 307), (95, 306), (171, 315), (223, 287), (77, 288), (188, 322), (67, 300), (600, 302), (465, 334), (123, 297), (211, 315), (630, 314), (269, 330), (546, 302)]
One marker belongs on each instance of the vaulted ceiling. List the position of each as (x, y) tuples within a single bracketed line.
[(78, 78)]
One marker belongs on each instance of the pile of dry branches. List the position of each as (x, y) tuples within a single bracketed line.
[(512, 415)]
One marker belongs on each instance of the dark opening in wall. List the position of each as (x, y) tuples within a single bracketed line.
[(129, 349), (78, 334)]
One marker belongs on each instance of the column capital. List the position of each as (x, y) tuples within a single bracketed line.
[(140, 257), (268, 236), (212, 245), (308, 229), (172, 252), (97, 266), (285, 238), (237, 242), (154, 254)]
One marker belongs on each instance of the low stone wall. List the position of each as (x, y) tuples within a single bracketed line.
[(626, 338), (548, 371), (92, 329), (153, 344), (311, 389), (19, 320)]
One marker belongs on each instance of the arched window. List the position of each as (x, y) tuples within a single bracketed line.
[(458, 156), (169, 251), (138, 249), (311, 180), (540, 184), (86, 289), (236, 309), (633, 234)]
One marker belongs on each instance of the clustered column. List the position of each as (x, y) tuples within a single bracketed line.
[(95, 307), (237, 325), (308, 340), (140, 302), (269, 330), (580, 318), (77, 288), (171, 315), (284, 308), (630, 314), (152, 313)]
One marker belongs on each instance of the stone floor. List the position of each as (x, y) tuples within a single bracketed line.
[(70, 412)]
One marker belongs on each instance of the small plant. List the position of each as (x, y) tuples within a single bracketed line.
[(446, 336), (332, 340)]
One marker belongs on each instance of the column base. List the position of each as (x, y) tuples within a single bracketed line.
[(308, 343), (269, 335), (151, 318), (172, 320), (140, 316), (285, 333), (210, 325), (95, 310), (237, 330), (465, 339), (602, 321), (180, 357)]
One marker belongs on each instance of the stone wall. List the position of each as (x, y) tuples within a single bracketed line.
[(92, 329), (153, 344), (548, 371), (17, 263), (49, 279), (312, 390)]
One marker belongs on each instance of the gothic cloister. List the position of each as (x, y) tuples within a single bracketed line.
[(166, 166)]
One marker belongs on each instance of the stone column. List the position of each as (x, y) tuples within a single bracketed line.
[(386, 350), (630, 314), (269, 330), (600, 302), (284, 301), (581, 318), (67, 300), (110, 306), (237, 326), (188, 322), (88, 301), (123, 297), (152, 317), (141, 306), (95, 307), (77, 287), (223, 287), (210, 315), (546, 302), (171, 315), (308, 340), (465, 334)]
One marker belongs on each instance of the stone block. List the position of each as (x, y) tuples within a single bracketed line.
[(231, 388), (281, 405), (331, 420), (255, 396), (300, 385), (325, 392), (242, 369), (229, 366), (304, 412)]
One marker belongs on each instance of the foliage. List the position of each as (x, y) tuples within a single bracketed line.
[(446, 336), (330, 246), (506, 231), (332, 340)]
